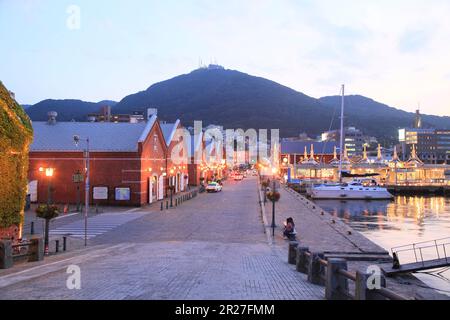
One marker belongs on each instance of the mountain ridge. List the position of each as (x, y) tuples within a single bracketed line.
[(238, 100)]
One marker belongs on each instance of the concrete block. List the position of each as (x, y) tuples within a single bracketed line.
[(36, 249), (6, 258)]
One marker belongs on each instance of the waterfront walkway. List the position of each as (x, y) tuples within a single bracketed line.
[(322, 232), (210, 247)]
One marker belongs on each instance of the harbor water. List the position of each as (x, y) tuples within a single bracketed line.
[(402, 221)]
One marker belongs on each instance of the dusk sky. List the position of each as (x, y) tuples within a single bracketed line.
[(396, 52)]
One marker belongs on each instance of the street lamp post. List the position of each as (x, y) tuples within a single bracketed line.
[(273, 211), (49, 174), (77, 139)]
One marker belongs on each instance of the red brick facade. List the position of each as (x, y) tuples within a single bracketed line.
[(177, 169), (113, 170)]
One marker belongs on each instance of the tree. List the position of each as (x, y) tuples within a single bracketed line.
[(47, 212)]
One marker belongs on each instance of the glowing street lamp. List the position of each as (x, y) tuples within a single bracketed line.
[(49, 172)]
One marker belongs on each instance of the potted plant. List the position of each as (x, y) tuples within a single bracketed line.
[(273, 196), (47, 212)]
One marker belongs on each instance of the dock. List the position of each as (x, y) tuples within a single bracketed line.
[(415, 266), (419, 189), (420, 256)]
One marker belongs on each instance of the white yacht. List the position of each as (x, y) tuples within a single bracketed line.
[(366, 189), (358, 188)]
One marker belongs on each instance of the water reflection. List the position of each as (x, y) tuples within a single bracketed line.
[(405, 220), (413, 218)]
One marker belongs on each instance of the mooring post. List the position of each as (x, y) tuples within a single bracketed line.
[(301, 263), (315, 268), (336, 285), (366, 286), (292, 252)]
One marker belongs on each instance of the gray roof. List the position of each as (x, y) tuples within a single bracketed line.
[(195, 144), (168, 130), (103, 136), (298, 147)]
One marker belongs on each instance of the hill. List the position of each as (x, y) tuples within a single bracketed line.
[(232, 99), (378, 119), (238, 100), (69, 109)]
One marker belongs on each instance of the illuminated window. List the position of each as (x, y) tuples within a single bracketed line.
[(155, 142)]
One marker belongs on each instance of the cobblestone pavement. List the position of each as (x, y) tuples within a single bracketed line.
[(210, 247)]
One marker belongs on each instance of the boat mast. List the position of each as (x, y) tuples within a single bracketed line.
[(342, 134)]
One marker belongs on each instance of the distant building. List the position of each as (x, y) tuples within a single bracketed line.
[(105, 115), (432, 145), (293, 152), (301, 137), (354, 139)]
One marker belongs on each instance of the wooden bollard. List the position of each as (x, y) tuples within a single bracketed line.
[(315, 269), (336, 285), (301, 259), (162, 206), (292, 252), (362, 290)]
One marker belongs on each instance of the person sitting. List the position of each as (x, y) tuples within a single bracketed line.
[(289, 228)]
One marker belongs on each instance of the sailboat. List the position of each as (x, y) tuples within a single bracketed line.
[(359, 188)]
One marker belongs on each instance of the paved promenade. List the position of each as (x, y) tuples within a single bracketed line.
[(210, 247), (321, 232)]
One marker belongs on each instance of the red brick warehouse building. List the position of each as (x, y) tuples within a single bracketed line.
[(177, 155), (127, 162)]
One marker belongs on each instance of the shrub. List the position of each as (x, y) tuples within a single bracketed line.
[(15, 137)]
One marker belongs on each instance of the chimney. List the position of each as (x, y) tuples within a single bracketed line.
[(52, 117), (151, 112)]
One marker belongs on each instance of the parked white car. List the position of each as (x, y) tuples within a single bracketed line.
[(213, 187)]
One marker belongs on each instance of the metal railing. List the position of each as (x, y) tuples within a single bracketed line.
[(334, 275), (437, 247)]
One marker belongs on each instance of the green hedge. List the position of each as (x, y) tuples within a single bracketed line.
[(16, 134)]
